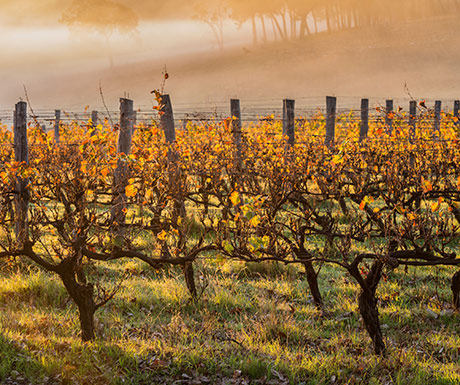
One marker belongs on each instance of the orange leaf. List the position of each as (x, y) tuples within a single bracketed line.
[(130, 191)]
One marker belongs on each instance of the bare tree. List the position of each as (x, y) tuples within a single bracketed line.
[(102, 16)]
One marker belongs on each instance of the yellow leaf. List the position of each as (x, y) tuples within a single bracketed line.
[(337, 159), (162, 236), (255, 221), (130, 191), (427, 185), (365, 201), (227, 246), (435, 206), (83, 166), (235, 198), (149, 194)]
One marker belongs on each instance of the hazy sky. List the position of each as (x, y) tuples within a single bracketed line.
[(62, 67), (42, 53)]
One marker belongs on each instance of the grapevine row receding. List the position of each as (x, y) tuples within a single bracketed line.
[(365, 196)]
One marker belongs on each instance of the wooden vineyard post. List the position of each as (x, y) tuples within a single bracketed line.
[(289, 121), (167, 119), (121, 175), (94, 117), (235, 111), (437, 119), (364, 129), (331, 111), (168, 127), (175, 181), (457, 113), (412, 119), (21, 154), (57, 124), (389, 116)]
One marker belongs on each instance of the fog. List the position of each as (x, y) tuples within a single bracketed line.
[(62, 65), (48, 60)]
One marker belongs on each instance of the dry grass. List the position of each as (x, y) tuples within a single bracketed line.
[(253, 324)]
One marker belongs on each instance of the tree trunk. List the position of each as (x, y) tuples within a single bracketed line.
[(343, 206), (86, 311), (254, 30), (82, 295), (368, 307), (264, 30), (369, 312), (275, 35), (283, 18), (328, 20), (293, 22), (190, 278), (312, 279), (307, 27), (455, 286)]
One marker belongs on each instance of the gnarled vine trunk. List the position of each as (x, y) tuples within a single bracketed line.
[(312, 279), (368, 307), (83, 296), (189, 275), (455, 286)]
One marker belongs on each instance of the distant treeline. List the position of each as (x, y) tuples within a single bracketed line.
[(291, 19), (270, 20)]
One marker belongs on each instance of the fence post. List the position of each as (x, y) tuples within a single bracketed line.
[(331, 111), (93, 126), (364, 129), (235, 111), (167, 119), (437, 119), (122, 172), (412, 119), (456, 113), (57, 124), (389, 116), (289, 121), (21, 154), (168, 127)]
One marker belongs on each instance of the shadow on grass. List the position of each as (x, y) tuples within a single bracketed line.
[(17, 366)]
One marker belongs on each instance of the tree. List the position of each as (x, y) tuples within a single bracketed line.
[(213, 13), (102, 16)]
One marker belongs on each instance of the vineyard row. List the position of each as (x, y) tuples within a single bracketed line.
[(87, 195)]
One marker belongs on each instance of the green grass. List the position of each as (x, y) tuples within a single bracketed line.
[(253, 322)]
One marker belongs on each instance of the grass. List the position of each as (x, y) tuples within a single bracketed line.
[(254, 323)]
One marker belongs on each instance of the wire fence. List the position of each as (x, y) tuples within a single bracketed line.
[(252, 111)]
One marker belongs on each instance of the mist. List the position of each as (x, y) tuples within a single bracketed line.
[(218, 50)]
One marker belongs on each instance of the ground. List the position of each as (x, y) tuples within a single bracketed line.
[(253, 324)]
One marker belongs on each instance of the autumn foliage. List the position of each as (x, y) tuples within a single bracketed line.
[(367, 207)]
